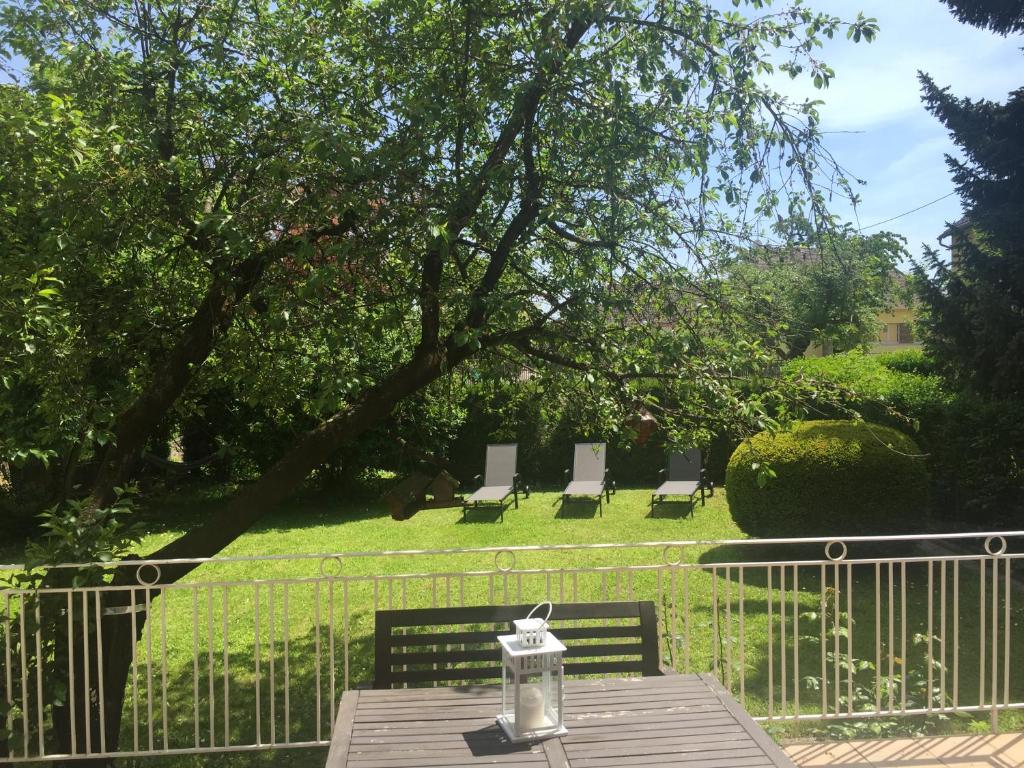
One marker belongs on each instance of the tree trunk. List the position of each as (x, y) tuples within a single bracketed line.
[(315, 447), (116, 656), (248, 505), (137, 421)]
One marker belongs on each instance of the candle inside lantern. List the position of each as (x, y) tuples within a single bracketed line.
[(531, 702)]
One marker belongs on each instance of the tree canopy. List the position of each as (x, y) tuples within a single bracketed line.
[(321, 211), (824, 288), (974, 324), (1003, 16)]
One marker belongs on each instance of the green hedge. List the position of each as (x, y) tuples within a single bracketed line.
[(546, 447), (828, 478), (909, 361), (975, 446), (895, 381)]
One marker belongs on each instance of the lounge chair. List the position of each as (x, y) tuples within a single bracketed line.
[(499, 481), (589, 474), (684, 477)]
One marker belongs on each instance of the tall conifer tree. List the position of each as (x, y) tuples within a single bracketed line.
[(974, 320)]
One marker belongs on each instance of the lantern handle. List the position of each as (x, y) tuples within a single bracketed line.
[(539, 605)]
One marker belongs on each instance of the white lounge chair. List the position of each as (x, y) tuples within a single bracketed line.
[(589, 475), (500, 480), (684, 477)]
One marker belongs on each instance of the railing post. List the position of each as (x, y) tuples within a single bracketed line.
[(995, 547)]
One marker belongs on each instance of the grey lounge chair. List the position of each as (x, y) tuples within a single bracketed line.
[(685, 477), (500, 480), (589, 474)]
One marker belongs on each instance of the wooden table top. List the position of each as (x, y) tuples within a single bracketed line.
[(675, 720)]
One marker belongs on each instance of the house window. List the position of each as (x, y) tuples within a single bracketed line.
[(904, 334)]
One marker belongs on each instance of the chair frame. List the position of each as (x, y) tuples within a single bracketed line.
[(702, 486)]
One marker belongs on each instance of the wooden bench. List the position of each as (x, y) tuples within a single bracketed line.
[(419, 646)]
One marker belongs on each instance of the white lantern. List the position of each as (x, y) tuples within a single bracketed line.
[(532, 690), (532, 632)]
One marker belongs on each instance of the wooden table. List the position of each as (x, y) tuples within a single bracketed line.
[(675, 720)]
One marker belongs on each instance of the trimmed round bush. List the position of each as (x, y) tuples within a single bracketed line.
[(827, 478)]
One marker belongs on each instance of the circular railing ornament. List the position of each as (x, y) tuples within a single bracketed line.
[(842, 553), (143, 581), (1002, 545), (509, 562), (329, 572), (667, 558)]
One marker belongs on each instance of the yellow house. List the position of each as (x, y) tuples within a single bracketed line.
[(897, 331), (897, 324)]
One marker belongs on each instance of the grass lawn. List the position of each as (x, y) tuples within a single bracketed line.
[(297, 614)]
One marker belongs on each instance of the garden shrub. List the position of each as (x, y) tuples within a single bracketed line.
[(976, 452), (974, 445), (828, 478), (908, 361), (884, 388)]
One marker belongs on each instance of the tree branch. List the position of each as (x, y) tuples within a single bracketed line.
[(209, 321), (469, 201)]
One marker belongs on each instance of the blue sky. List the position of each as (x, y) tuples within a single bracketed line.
[(897, 147)]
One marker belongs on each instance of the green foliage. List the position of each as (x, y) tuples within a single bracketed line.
[(74, 533), (974, 444), (908, 361), (821, 288), (973, 325), (825, 478), (327, 174), (1002, 16), (977, 459), (78, 532), (881, 388), (546, 418), (909, 679)]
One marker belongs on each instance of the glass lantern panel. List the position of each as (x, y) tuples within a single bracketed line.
[(537, 704), (536, 699)]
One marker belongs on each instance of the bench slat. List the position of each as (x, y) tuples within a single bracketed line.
[(473, 614), (445, 638)]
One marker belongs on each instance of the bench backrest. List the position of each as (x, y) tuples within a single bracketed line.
[(459, 645)]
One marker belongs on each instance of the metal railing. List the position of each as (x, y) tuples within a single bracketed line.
[(253, 652)]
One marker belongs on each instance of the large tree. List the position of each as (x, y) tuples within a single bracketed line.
[(974, 323), (332, 207), (826, 288)]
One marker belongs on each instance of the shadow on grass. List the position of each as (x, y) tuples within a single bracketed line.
[(888, 628), (577, 508), (294, 705), (484, 514), (179, 510), (672, 509)]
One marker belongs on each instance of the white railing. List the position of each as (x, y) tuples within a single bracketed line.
[(253, 652)]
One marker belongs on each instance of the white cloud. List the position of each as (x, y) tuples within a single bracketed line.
[(873, 117), (877, 83)]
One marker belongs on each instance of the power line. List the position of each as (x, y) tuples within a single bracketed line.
[(907, 213)]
